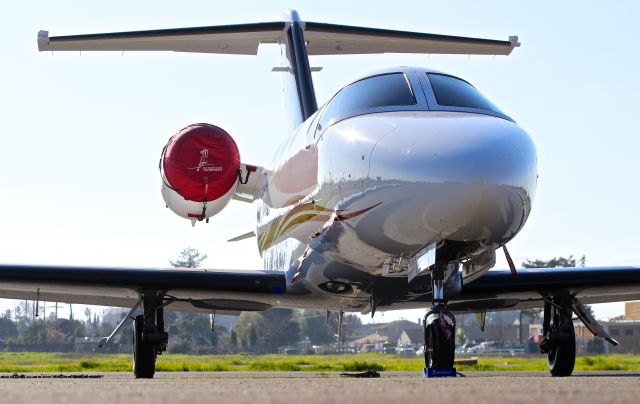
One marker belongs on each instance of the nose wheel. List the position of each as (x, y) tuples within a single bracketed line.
[(440, 341), (439, 329)]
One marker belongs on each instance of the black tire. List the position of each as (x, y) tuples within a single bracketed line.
[(144, 353), (562, 354), (440, 351)]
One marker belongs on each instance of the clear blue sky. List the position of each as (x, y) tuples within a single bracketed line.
[(82, 134)]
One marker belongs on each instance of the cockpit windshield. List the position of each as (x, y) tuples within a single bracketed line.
[(454, 92), (373, 92)]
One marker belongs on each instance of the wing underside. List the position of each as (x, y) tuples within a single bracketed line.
[(194, 290), (499, 290)]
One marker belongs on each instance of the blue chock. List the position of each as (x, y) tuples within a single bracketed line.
[(428, 373)]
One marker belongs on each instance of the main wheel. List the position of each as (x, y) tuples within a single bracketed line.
[(440, 345), (562, 352), (144, 353)]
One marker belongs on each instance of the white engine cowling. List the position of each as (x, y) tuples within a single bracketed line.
[(199, 168)]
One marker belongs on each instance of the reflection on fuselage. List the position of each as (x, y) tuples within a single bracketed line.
[(376, 188)]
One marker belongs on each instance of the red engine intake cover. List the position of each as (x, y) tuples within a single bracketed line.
[(201, 162)]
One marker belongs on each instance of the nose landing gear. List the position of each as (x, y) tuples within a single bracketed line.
[(439, 337), (439, 330)]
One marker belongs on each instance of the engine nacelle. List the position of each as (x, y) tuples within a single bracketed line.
[(199, 168)]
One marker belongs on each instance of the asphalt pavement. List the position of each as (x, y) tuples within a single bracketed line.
[(309, 388)]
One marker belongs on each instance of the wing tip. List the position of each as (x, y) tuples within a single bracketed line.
[(43, 40)]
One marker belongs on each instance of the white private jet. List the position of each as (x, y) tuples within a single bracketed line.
[(395, 194)]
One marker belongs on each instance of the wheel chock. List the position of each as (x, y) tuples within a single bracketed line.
[(428, 373)]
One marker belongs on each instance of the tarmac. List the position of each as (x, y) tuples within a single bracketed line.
[(309, 388)]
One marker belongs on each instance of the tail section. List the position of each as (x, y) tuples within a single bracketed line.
[(301, 96), (299, 39)]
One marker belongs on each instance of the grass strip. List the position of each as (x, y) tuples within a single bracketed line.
[(24, 362)]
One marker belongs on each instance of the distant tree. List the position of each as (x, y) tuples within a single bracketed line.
[(268, 331), (36, 333), (193, 334), (242, 328), (69, 328), (350, 324), (312, 326), (8, 328), (216, 342), (559, 262), (279, 329), (502, 322), (55, 336), (556, 262), (617, 318), (189, 258), (181, 345), (253, 337), (583, 261), (461, 337), (192, 329), (233, 340)]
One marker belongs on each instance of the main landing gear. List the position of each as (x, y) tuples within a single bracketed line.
[(439, 328), (149, 336), (559, 338)]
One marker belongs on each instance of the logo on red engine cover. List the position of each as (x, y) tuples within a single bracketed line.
[(204, 164)]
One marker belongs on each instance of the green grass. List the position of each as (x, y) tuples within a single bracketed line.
[(62, 362)]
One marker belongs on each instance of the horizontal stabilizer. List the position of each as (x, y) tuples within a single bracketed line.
[(228, 39), (244, 39)]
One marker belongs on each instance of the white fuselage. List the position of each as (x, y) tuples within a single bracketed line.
[(351, 201)]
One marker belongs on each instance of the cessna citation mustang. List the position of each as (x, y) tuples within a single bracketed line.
[(395, 194)]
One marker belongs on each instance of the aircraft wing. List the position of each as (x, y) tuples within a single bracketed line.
[(244, 39), (499, 290), (195, 289)]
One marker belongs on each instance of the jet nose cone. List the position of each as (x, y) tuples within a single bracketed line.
[(471, 150), (465, 176)]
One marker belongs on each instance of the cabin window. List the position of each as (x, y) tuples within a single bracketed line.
[(628, 332), (614, 332), (374, 92), (454, 92)]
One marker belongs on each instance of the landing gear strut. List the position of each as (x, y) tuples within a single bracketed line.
[(559, 338), (149, 336), (439, 327)]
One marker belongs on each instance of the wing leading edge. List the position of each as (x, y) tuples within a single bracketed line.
[(498, 290), (196, 289)]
